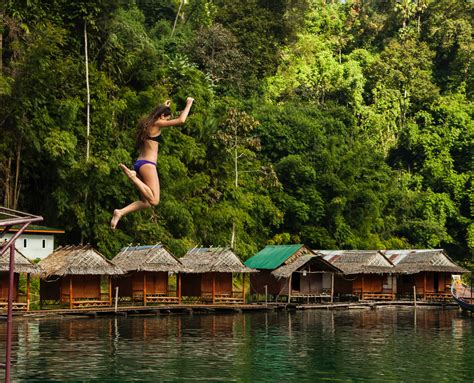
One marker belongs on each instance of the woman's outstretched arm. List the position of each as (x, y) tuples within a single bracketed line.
[(182, 117)]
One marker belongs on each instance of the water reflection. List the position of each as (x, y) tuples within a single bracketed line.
[(383, 344)]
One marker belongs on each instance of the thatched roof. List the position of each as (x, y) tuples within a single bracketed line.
[(22, 264), (358, 261), (315, 260), (148, 258), (416, 261), (214, 259), (77, 260)]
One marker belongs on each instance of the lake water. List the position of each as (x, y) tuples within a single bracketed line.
[(385, 344)]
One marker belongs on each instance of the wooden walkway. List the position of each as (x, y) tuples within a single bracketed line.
[(158, 309), (216, 309)]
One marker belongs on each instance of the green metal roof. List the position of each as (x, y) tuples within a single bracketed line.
[(272, 257)]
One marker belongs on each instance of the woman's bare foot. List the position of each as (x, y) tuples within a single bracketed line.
[(129, 173), (115, 219)]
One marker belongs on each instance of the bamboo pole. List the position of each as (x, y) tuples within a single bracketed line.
[(414, 296), (179, 288), (28, 290), (243, 287)]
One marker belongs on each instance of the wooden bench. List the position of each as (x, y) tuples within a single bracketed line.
[(378, 296)]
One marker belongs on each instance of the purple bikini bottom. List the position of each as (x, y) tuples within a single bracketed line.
[(137, 165)]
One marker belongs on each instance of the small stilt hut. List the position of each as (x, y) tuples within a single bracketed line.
[(291, 272), (75, 275), (22, 266), (211, 276), (147, 279), (367, 274), (430, 271)]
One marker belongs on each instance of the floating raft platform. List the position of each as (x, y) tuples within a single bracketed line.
[(218, 309)]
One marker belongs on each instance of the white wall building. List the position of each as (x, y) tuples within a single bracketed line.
[(36, 242)]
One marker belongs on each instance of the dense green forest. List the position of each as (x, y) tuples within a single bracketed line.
[(350, 123)]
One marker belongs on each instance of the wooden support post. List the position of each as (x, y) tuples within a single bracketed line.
[(116, 297), (213, 288), (144, 288), (414, 295), (28, 290), (289, 288), (424, 287), (110, 290), (17, 287), (362, 288), (243, 288), (70, 291), (179, 287), (332, 287)]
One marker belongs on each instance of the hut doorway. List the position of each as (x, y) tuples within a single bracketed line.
[(296, 282)]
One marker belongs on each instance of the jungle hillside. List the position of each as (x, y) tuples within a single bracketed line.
[(337, 124)]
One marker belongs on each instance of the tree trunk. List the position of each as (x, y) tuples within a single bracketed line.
[(1, 43), (88, 91), (12, 181), (6, 197), (17, 187), (176, 18)]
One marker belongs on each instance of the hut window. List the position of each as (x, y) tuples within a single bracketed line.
[(44, 243), (24, 243)]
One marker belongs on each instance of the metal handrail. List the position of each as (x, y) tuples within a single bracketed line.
[(14, 218)]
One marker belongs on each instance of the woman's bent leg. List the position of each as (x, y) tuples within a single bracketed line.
[(119, 213), (149, 175), (142, 186), (148, 185)]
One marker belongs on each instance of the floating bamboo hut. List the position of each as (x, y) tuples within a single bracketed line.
[(293, 272), (429, 271), (211, 277), (147, 274), (76, 275), (22, 265), (367, 274)]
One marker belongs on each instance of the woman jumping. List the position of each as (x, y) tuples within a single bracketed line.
[(144, 175)]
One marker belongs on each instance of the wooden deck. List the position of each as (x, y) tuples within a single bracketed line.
[(174, 309)]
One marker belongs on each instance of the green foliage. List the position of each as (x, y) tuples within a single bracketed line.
[(350, 124)]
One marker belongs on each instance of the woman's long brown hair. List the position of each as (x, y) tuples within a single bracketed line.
[(146, 122)]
